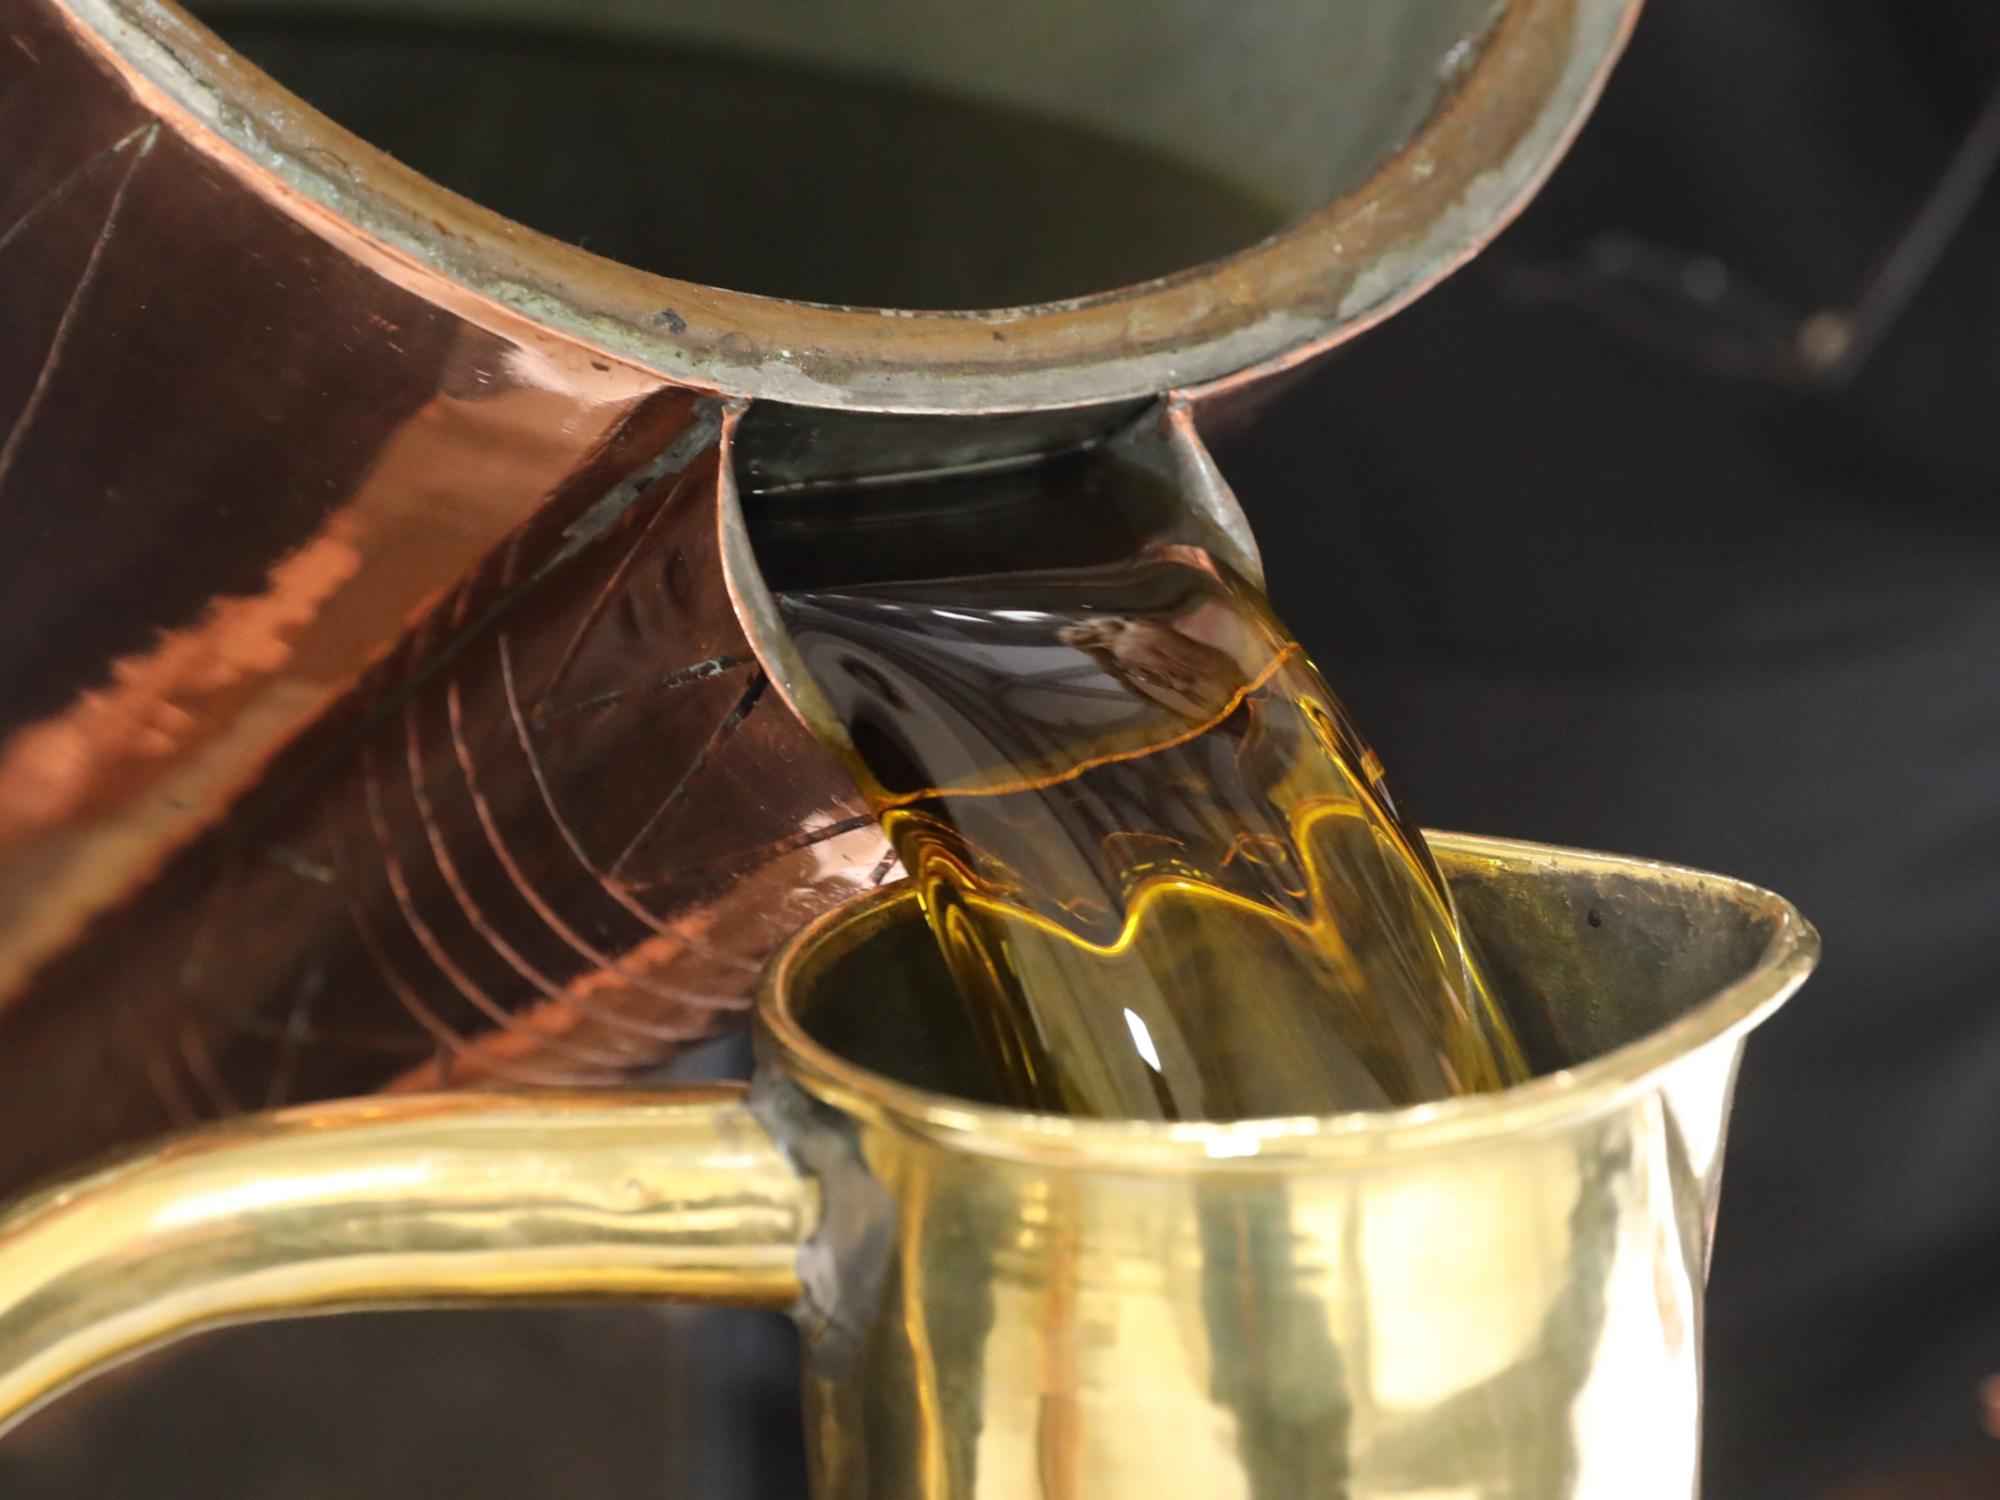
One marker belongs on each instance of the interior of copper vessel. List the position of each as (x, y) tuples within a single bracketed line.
[(897, 153)]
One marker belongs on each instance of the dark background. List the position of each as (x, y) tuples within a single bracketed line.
[(1590, 577), (1591, 566)]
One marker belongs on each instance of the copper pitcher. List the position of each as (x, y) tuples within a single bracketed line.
[(386, 697)]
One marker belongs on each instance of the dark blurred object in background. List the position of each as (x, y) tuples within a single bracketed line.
[(1591, 566)]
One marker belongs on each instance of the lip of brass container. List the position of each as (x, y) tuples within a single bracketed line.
[(380, 706), (1494, 1297)]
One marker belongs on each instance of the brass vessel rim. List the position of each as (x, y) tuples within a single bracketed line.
[(1332, 272), (1552, 1101)]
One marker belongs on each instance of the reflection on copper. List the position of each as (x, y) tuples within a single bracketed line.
[(388, 657), (490, 880)]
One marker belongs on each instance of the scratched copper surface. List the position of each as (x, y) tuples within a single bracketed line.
[(363, 665)]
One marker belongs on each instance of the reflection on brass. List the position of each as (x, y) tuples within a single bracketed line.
[(1495, 1296)]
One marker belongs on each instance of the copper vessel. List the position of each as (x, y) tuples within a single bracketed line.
[(376, 711)]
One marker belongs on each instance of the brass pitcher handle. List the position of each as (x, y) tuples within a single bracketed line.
[(393, 1202)]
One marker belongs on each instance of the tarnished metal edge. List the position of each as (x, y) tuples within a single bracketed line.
[(1270, 305)]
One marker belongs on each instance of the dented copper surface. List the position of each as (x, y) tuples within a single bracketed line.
[(373, 712)]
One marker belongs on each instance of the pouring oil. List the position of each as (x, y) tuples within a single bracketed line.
[(1165, 871)]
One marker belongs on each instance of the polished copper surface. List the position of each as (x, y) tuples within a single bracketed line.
[(543, 843), (387, 703)]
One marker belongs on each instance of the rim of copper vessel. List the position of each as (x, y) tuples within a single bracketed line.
[(1552, 1101), (1319, 280)]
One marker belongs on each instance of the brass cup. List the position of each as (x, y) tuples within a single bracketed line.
[(1494, 1296)]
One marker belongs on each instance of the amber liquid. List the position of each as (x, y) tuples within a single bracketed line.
[(1164, 869)]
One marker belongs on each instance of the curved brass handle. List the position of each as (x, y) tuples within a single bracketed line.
[(392, 1202)]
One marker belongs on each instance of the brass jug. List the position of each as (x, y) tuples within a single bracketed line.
[(389, 703), (1496, 1297)]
